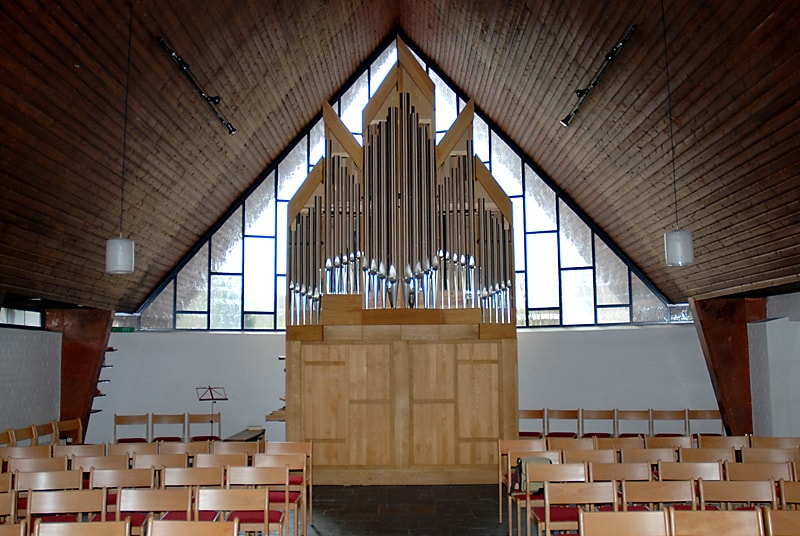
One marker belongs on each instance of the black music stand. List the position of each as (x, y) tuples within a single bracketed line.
[(213, 394)]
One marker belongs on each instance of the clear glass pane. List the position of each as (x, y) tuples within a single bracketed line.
[(259, 209), (461, 104), (353, 102), (283, 229), (519, 297), (613, 315), (646, 305), (506, 166), (480, 138), (540, 207), (518, 213), (576, 239), (445, 103), (381, 67), (259, 274), (542, 270), (280, 290), (680, 313), (192, 283), (577, 299), (259, 321), (548, 317), (316, 143), (439, 137), (226, 301), (159, 314), (226, 246), (611, 275), (191, 321), (292, 171)]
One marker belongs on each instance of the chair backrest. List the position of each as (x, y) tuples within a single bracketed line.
[(588, 495), (98, 449), (46, 433), (129, 449), (141, 424), (154, 501), (6, 439), (633, 422), (69, 430), (295, 461), (618, 443), (716, 522), (536, 474), (230, 499), (100, 528), (204, 426), (651, 456), (5, 481), (781, 522), (634, 523), (27, 465), (673, 442), (759, 471), (36, 451), (598, 423), (234, 447), (790, 494), (258, 476), (620, 471), (770, 454), (220, 460), (121, 478), (583, 455), (160, 460), (774, 442), (707, 454), (156, 527), (112, 461), (689, 470), (172, 422), (562, 418), (43, 480), (728, 494), (14, 529), (657, 494), (570, 443), (8, 503), (527, 415), (716, 442), (669, 422), (76, 501), (193, 477), (700, 418), (25, 435), (190, 448)]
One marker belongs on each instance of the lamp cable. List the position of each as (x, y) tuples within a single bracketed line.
[(669, 111)]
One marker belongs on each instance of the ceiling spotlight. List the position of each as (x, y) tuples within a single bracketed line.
[(566, 121)]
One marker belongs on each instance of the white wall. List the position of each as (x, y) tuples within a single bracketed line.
[(30, 382), (633, 368), (158, 373)]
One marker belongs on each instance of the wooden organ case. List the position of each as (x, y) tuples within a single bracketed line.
[(401, 350)]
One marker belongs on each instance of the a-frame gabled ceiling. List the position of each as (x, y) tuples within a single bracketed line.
[(734, 82)]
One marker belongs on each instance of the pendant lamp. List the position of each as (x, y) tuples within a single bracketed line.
[(678, 246), (120, 251)]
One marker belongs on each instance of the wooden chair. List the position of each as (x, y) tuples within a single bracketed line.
[(112, 461), (65, 506), (111, 481), (139, 503), (24, 436), (652, 456), (770, 454), (570, 443), (503, 477), (137, 421), (240, 501), (563, 500), (790, 494), (69, 431), (620, 471), (157, 527), (220, 460), (205, 426), (172, 421), (737, 495), (658, 495), (296, 462), (307, 448), (235, 447), (130, 449), (667, 441), (590, 417), (27, 465), (6, 439), (529, 497), (632, 523), (674, 422), (586, 456), (25, 483), (194, 478), (700, 418), (689, 470), (14, 529), (36, 451), (722, 441), (774, 442), (716, 522), (160, 461), (618, 443), (8, 505), (569, 416), (46, 433), (707, 454), (99, 528), (759, 471), (633, 422), (781, 522), (190, 448), (79, 450), (527, 415), (535, 477)]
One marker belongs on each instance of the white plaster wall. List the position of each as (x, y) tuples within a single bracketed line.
[(30, 383), (783, 340), (757, 337), (158, 373)]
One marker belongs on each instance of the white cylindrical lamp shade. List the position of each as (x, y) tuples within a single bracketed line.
[(119, 256), (678, 248)]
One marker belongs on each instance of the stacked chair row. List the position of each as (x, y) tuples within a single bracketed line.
[(765, 471), (167, 427), (137, 482), (582, 422), (49, 433)]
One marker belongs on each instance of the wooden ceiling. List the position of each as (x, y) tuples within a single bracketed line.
[(733, 74)]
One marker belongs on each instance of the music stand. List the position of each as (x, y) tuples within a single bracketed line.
[(213, 394)]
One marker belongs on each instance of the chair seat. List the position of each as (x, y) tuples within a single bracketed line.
[(598, 434), (206, 438), (530, 434), (558, 514), (256, 516), (132, 440), (562, 434), (277, 496), (167, 439)]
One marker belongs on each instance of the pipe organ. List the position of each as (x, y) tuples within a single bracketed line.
[(401, 339)]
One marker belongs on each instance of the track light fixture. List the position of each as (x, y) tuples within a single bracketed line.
[(212, 100), (583, 93)]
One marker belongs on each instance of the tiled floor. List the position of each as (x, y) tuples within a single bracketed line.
[(406, 510)]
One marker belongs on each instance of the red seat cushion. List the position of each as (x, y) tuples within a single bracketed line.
[(167, 439), (277, 496), (256, 516), (558, 513), (132, 440)]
